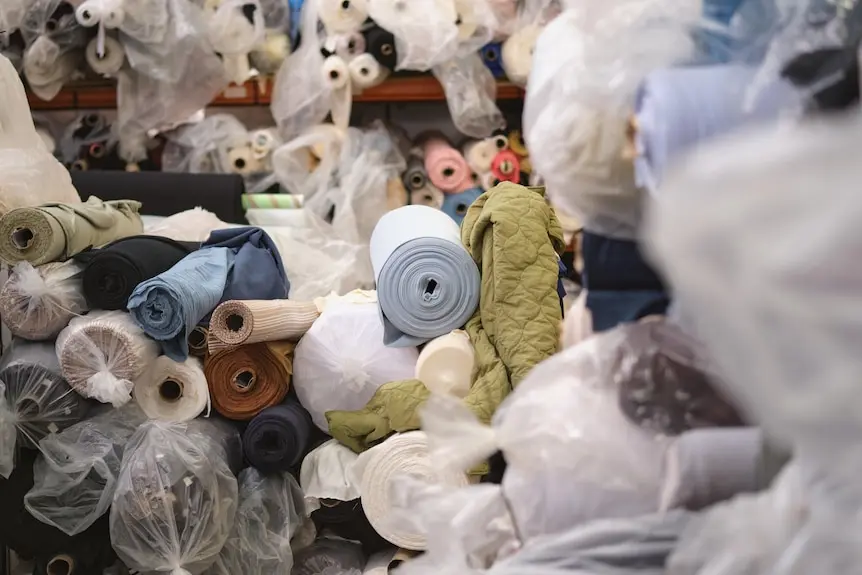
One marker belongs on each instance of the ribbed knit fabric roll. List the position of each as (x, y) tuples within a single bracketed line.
[(237, 323)]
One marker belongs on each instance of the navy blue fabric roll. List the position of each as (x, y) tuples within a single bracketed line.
[(611, 308), (257, 271), (278, 438), (617, 265), (492, 55)]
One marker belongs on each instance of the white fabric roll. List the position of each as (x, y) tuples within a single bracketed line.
[(327, 473), (341, 362), (109, 13), (47, 69), (337, 74), (518, 53), (366, 72), (446, 364), (401, 454), (427, 195), (480, 154), (111, 60), (173, 391)]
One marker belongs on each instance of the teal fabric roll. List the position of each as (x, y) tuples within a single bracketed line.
[(427, 283)]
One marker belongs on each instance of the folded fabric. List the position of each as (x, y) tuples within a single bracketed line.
[(173, 391), (427, 284), (245, 381), (170, 305), (455, 205), (612, 264), (103, 353), (56, 232), (114, 271), (611, 308), (236, 323), (278, 437), (37, 303), (257, 271), (514, 236)]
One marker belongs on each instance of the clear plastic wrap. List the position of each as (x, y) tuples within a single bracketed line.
[(580, 94), (75, 478), (235, 27), (330, 556), (193, 225), (54, 19), (103, 353), (341, 361), (37, 303), (176, 498), (302, 96), (568, 406), (29, 175), (270, 513), (35, 400), (471, 92), (197, 148)]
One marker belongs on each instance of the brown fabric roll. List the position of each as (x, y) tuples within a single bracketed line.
[(245, 381), (236, 323), (198, 341)]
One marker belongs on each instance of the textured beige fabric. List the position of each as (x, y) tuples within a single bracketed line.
[(236, 323)]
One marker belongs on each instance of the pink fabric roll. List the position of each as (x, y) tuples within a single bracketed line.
[(506, 167), (447, 169)]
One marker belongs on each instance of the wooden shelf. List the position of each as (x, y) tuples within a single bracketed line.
[(259, 93)]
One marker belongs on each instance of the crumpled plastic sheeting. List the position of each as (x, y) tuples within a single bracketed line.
[(580, 94), (11, 16), (195, 148), (471, 93), (233, 35), (271, 512)]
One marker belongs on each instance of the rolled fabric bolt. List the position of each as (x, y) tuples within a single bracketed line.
[(401, 454), (278, 437), (506, 167), (480, 154), (350, 46), (446, 167), (488, 181), (516, 143), (492, 55), (198, 341), (427, 283), (427, 196), (466, 19), (173, 391), (380, 43), (337, 74), (108, 63), (518, 53), (61, 565), (446, 364), (242, 160), (237, 323), (366, 72), (415, 177), (455, 205), (708, 466), (109, 13), (46, 70), (246, 380), (343, 16)]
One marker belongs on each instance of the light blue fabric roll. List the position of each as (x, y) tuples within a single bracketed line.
[(455, 205), (168, 306), (427, 283)]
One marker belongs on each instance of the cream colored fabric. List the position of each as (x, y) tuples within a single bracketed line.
[(357, 296), (446, 364), (236, 323)]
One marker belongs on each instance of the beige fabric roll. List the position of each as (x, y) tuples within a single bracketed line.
[(236, 323)]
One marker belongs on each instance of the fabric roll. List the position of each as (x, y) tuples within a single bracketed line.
[(401, 454), (197, 341), (506, 167), (455, 205), (103, 353), (678, 108), (517, 53), (38, 400), (480, 154), (446, 167), (612, 264), (427, 283), (337, 75), (366, 72), (708, 466), (492, 55), (488, 181), (342, 16), (257, 271), (446, 364), (48, 68), (278, 437), (56, 232), (347, 520), (245, 381), (106, 59), (350, 46), (427, 196), (237, 323), (380, 43), (415, 176), (271, 201), (610, 308), (108, 13), (37, 303), (114, 271), (170, 305), (329, 555), (172, 391)]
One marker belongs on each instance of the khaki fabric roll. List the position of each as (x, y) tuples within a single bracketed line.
[(236, 323), (56, 232)]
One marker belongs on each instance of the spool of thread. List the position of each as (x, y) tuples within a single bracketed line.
[(506, 167), (446, 167), (428, 195), (492, 56), (173, 391), (366, 72), (380, 43), (480, 154), (518, 53), (111, 60), (343, 16)]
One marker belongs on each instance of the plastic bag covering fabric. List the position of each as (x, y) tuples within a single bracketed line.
[(35, 400), (51, 19), (471, 93), (270, 513), (231, 32), (103, 353), (580, 94), (431, 32), (568, 404), (341, 361), (37, 303), (176, 498), (301, 96), (330, 556), (77, 474), (196, 148), (29, 175)]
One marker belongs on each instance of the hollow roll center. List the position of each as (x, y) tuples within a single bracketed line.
[(22, 238), (244, 380), (234, 322), (60, 565), (448, 172), (171, 390), (197, 339), (270, 441)]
